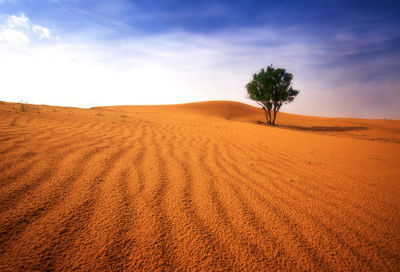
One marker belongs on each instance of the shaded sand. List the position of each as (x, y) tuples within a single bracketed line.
[(202, 186)]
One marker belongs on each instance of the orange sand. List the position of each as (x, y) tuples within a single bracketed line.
[(202, 186)]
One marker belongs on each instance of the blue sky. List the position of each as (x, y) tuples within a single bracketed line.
[(345, 55)]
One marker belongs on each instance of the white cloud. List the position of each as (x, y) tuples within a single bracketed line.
[(13, 37), (160, 69), (171, 68), (18, 21), (41, 31), (18, 30)]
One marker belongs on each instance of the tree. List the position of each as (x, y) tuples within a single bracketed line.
[(258, 91), (271, 88)]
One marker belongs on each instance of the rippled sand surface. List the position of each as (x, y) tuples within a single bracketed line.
[(202, 186)]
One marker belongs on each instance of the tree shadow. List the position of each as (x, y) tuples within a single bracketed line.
[(324, 128), (318, 128)]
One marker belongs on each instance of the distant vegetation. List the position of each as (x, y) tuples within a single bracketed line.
[(23, 107), (271, 89)]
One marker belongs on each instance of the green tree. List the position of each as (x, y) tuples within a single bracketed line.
[(271, 88)]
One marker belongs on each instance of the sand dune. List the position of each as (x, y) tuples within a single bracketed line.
[(200, 186)]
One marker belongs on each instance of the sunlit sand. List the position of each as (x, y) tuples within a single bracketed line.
[(201, 186)]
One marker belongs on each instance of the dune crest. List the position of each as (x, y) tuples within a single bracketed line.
[(367, 129)]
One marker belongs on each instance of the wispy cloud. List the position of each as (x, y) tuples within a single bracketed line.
[(18, 21), (18, 30), (111, 58), (12, 36), (41, 31)]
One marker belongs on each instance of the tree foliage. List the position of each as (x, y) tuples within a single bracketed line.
[(271, 88)]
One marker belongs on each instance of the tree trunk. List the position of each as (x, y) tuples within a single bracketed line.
[(269, 114), (273, 122), (266, 115)]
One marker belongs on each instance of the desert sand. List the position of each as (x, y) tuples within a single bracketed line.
[(200, 186)]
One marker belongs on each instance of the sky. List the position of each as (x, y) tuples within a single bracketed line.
[(344, 55)]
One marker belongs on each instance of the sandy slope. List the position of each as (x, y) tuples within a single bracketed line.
[(196, 186)]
